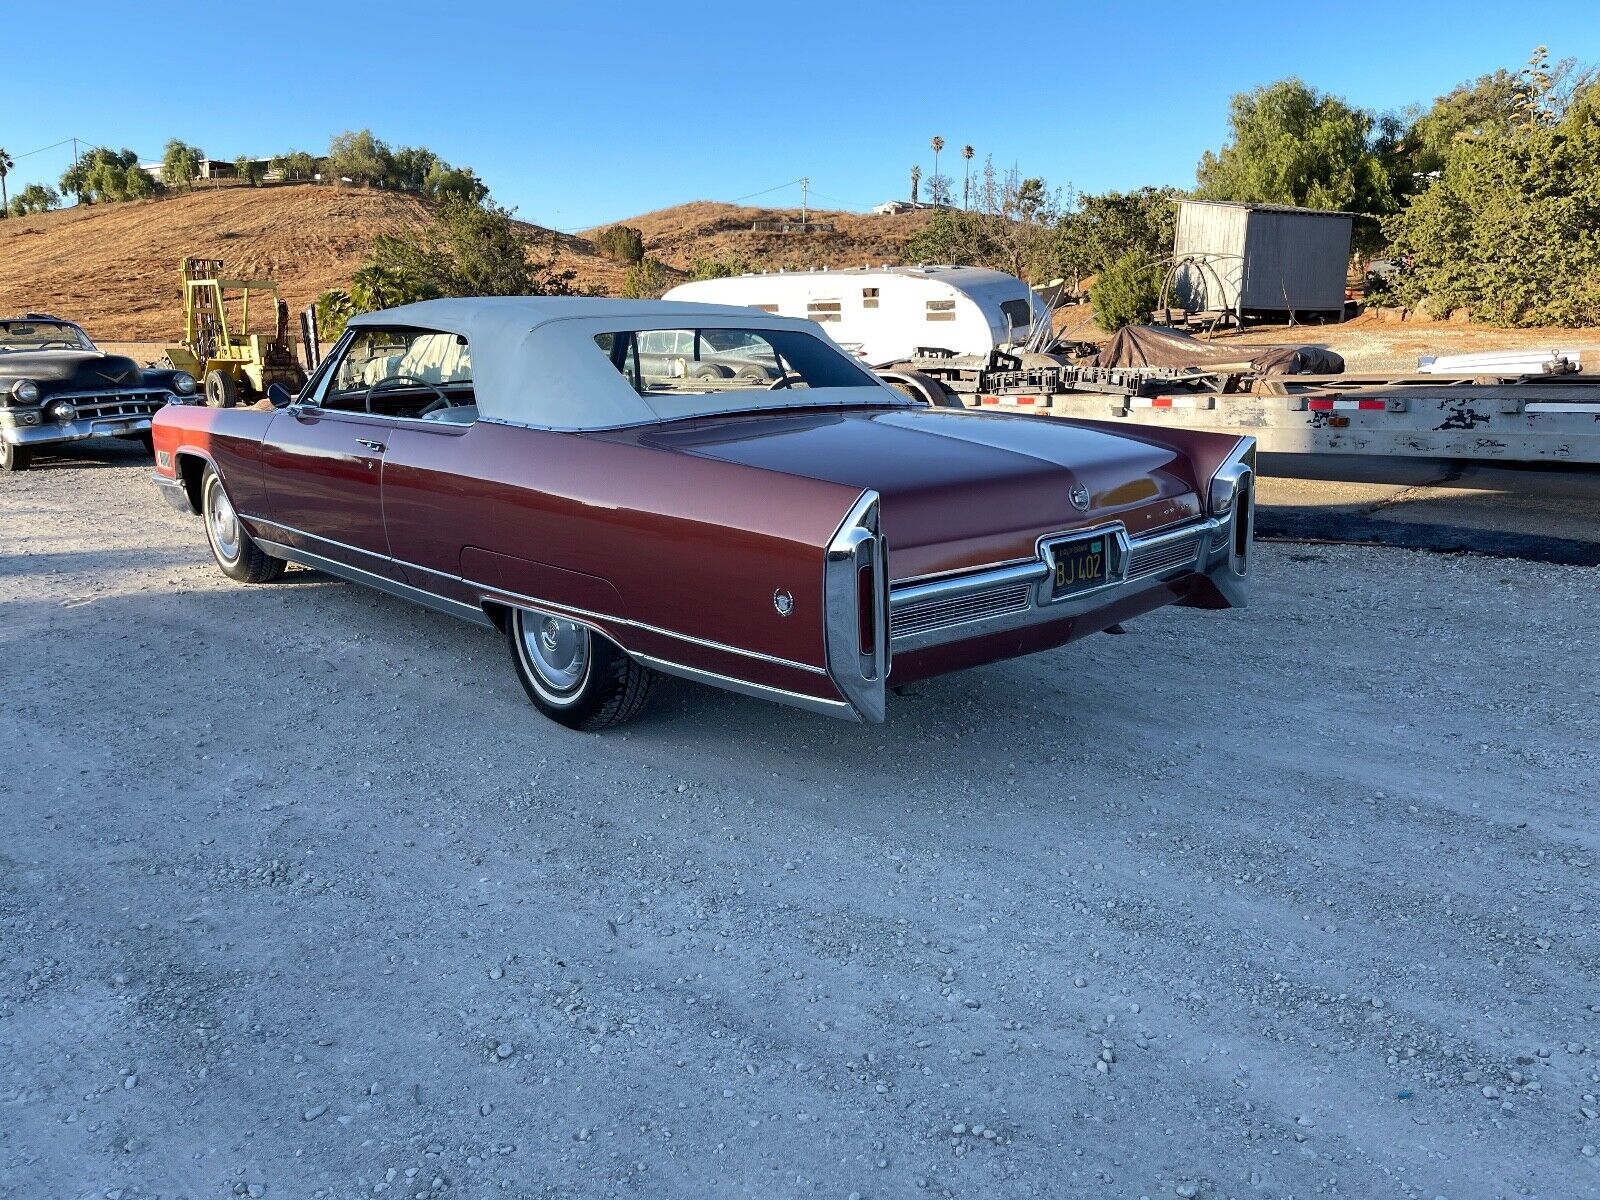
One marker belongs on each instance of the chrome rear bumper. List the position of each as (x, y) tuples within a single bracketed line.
[(1019, 594)]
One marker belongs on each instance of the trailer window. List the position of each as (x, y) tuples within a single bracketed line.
[(824, 310), (941, 310), (869, 297), (1016, 314)]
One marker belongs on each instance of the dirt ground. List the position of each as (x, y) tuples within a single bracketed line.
[(300, 898)]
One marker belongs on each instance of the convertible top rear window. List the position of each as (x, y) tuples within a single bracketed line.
[(707, 362)]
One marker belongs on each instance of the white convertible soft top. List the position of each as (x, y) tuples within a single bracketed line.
[(535, 360)]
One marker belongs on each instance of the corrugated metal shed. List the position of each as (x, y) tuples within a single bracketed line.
[(1260, 258)]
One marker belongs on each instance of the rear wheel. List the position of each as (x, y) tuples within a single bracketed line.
[(232, 546), (15, 458), (573, 675), (222, 391)]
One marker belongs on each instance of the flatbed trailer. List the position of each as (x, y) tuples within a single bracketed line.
[(1525, 418)]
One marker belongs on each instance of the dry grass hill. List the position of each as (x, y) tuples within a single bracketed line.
[(679, 234), (114, 267)]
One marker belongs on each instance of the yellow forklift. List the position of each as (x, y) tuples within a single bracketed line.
[(232, 363)]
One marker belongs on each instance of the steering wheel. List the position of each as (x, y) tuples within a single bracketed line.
[(787, 380), (405, 381), (60, 342), (432, 406)]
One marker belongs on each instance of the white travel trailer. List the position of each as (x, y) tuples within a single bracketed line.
[(885, 314)]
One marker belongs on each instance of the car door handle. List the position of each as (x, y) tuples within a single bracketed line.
[(375, 447)]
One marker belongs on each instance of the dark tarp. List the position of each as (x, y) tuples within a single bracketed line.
[(1150, 346)]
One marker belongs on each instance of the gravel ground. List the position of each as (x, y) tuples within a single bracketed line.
[(300, 898)]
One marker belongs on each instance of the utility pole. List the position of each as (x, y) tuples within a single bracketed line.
[(76, 178), (805, 193)]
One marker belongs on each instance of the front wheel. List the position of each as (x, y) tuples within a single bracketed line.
[(232, 546), (573, 675), (15, 458)]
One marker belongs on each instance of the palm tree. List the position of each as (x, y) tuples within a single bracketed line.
[(966, 178), (6, 163), (916, 180), (938, 145)]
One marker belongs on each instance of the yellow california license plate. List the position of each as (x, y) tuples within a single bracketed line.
[(1080, 565)]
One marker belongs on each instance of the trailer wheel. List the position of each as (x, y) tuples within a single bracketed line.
[(221, 390), (920, 387)]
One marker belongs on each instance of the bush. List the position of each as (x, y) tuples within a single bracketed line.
[(35, 198), (620, 243), (704, 266), (646, 280), (1126, 292)]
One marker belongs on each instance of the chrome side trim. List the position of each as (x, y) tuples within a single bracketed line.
[(393, 587), (827, 708), (502, 595)]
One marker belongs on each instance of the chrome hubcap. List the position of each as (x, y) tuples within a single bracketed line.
[(556, 650), (223, 522)]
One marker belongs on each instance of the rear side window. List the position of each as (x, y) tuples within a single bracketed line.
[(941, 310), (704, 362)]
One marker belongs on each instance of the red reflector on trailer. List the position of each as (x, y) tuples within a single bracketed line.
[(1360, 405)]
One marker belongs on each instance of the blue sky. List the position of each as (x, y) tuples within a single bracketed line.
[(579, 114)]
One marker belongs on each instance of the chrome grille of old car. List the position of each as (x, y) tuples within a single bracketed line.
[(119, 404), (957, 610), (1164, 554)]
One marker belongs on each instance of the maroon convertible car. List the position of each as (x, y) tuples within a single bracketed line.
[(815, 539)]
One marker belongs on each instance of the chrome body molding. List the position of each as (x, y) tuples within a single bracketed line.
[(393, 587), (606, 624), (761, 691)]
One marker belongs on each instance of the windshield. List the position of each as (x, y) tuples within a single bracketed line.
[(706, 363), (42, 335)]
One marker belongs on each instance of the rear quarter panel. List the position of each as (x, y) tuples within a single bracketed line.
[(684, 544)]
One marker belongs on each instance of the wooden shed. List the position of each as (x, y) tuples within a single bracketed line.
[(1261, 260)]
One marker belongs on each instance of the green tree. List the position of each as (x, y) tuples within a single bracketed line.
[(6, 164), (373, 287), (410, 166), (359, 156), (103, 175), (1019, 235), (251, 170), (1126, 292), (1100, 229), (297, 164), (1291, 144), (334, 309), (35, 198), (473, 250), (1511, 229), (646, 280), (1490, 104), (444, 182), (620, 243), (180, 165)]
